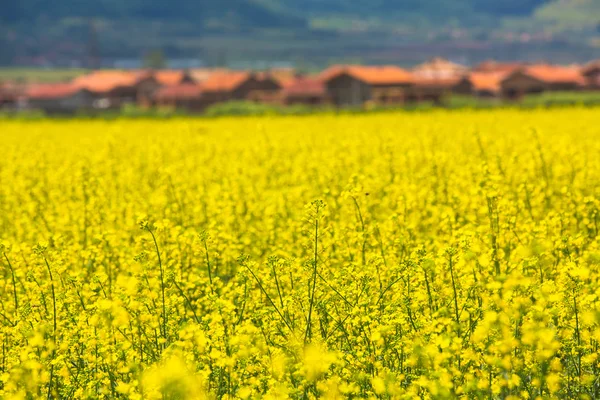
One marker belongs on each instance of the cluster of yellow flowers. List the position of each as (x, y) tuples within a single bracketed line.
[(383, 256)]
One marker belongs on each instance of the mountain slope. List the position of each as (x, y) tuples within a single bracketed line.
[(290, 29), (262, 13), (431, 8), (243, 13), (574, 14)]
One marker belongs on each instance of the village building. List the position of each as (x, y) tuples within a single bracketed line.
[(172, 77), (59, 98), (145, 98), (593, 83), (238, 85), (113, 89), (186, 96), (591, 72), (10, 93), (283, 76), (341, 85), (352, 85), (431, 89), (305, 91), (269, 87), (200, 75), (481, 84), (537, 79), (439, 68)]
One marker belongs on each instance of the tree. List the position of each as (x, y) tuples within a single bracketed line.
[(155, 59)]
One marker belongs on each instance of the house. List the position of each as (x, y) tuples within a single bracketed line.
[(172, 77), (146, 97), (115, 88), (439, 68), (187, 96), (225, 86), (268, 87), (283, 76), (481, 84), (431, 89), (200, 75), (593, 84), (306, 91), (591, 72), (540, 78), (59, 98), (9, 95), (354, 85)]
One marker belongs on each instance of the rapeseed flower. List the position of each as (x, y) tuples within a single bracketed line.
[(396, 256)]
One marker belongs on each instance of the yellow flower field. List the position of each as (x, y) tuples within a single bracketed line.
[(383, 256)]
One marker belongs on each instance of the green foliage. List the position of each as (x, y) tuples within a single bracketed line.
[(249, 108), (155, 59), (40, 74), (463, 101), (272, 30), (548, 99), (563, 98), (243, 14), (430, 8), (204, 13), (570, 14)]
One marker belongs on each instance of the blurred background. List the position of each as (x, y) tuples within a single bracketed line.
[(159, 57), (305, 34)]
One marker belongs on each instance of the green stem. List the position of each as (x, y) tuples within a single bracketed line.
[(14, 282), (308, 334), (162, 285), (362, 227), (53, 297), (451, 262), (208, 267), (187, 300), (54, 326), (268, 297)]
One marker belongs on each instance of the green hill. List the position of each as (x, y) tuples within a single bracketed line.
[(287, 29), (244, 14), (571, 15)]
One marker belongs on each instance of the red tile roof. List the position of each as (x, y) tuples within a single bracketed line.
[(283, 76), (170, 77), (486, 81), (51, 91), (591, 66), (200, 75), (279, 79), (108, 80), (181, 91), (305, 87), (268, 76), (225, 81), (555, 74), (373, 75), (331, 72)]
